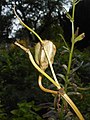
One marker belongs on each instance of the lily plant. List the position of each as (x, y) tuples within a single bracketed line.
[(44, 56)]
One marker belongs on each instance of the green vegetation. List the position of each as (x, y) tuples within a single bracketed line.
[(20, 96)]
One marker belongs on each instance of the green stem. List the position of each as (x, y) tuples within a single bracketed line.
[(64, 95), (36, 66), (70, 60), (72, 47), (28, 27), (51, 67)]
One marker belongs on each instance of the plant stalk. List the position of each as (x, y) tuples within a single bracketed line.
[(72, 47)]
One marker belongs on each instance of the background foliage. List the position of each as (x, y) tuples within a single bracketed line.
[(19, 91)]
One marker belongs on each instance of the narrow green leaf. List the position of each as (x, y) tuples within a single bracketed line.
[(65, 67), (66, 48), (62, 76), (79, 38), (77, 1), (76, 68), (68, 16), (76, 32), (64, 41)]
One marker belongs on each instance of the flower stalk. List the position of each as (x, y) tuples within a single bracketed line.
[(54, 81)]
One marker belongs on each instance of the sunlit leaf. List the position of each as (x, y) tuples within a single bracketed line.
[(65, 67), (79, 38), (62, 76), (66, 48)]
